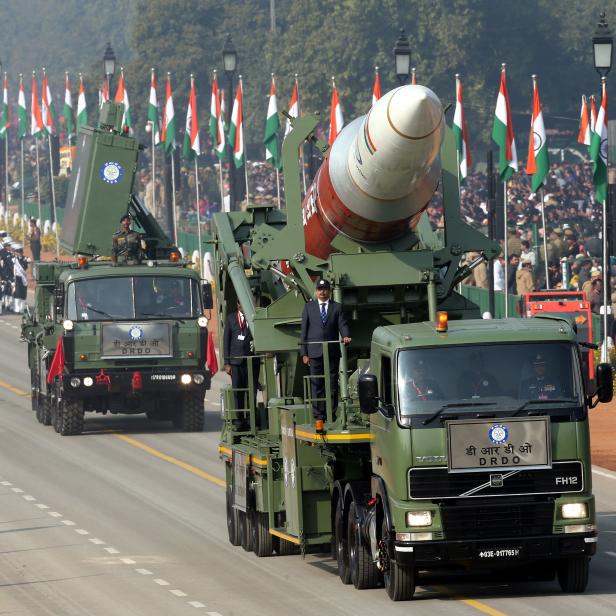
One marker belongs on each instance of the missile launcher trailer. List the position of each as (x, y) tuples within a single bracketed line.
[(484, 463), (126, 337)]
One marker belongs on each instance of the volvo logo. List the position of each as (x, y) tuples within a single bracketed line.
[(496, 481)]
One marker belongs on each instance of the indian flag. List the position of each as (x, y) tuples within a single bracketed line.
[(376, 89), (22, 114), (336, 119), (598, 149), (459, 130), (272, 125), (67, 110), (584, 131), (502, 131), (36, 120), (47, 112), (293, 108), (217, 130), (153, 108), (538, 161), (82, 109), (5, 121), (168, 134), (122, 97), (191, 134), (236, 130)]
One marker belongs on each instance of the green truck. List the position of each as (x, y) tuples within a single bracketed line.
[(457, 441), (115, 337)]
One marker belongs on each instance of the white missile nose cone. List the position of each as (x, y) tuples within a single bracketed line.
[(415, 112)]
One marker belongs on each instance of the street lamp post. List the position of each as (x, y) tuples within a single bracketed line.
[(402, 57), (109, 62), (602, 45), (229, 62)]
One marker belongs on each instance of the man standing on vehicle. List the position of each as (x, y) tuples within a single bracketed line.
[(126, 244), (323, 321)]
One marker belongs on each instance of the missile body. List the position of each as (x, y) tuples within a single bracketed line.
[(380, 173)]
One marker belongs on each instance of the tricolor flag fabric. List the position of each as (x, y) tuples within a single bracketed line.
[(272, 126), (47, 112), (293, 108), (67, 110), (36, 119), (5, 120), (376, 89), (236, 129), (502, 132), (217, 129), (122, 97), (584, 132), (103, 93), (336, 119), (598, 149), (593, 115), (22, 114), (192, 148), (168, 133), (538, 162), (82, 109), (461, 134), (153, 109)]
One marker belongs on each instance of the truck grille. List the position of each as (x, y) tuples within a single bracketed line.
[(438, 483), (487, 521)]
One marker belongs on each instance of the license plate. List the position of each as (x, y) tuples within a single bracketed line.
[(496, 553)]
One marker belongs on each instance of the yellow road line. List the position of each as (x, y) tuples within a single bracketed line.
[(163, 456), (478, 605), (15, 390)]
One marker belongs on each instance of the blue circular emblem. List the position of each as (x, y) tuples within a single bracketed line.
[(135, 333), (498, 434), (111, 172)]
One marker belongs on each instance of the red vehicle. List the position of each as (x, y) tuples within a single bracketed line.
[(565, 303)]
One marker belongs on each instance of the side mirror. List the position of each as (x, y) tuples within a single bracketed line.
[(208, 299), (605, 388), (59, 300), (368, 393)]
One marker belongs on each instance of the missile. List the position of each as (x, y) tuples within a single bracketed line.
[(380, 173)]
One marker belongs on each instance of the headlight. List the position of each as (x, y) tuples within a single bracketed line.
[(202, 321), (88, 381), (75, 382), (574, 510), (67, 324), (198, 379), (185, 379), (418, 518)]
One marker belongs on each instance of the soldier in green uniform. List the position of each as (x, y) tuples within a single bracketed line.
[(126, 244)]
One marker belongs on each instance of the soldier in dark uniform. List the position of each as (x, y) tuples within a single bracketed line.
[(539, 386), (35, 240), (126, 244), (5, 259), (6, 273), (421, 386), (20, 289)]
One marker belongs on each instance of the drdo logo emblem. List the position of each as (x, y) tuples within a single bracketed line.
[(135, 333), (111, 172), (498, 434)]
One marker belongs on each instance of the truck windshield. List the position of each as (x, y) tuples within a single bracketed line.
[(500, 376), (133, 297)]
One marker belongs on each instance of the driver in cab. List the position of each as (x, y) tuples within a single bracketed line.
[(539, 386), (421, 386)]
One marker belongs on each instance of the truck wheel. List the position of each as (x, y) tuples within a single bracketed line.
[(43, 412), (246, 537), (261, 538), (232, 520), (35, 385), (71, 418), (342, 554), (192, 413), (573, 574), (363, 571), (241, 526), (399, 581)]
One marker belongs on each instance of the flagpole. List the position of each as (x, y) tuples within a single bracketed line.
[(38, 181), (278, 187), (198, 217), (301, 147), (6, 177), (506, 251), (222, 190), (175, 218), (53, 197), (244, 142), (23, 194), (153, 168), (604, 350), (545, 241)]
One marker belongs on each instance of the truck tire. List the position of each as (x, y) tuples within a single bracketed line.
[(262, 543), (35, 386), (232, 519), (573, 574), (71, 418), (364, 573), (43, 412), (340, 541), (241, 527), (399, 581), (247, 534), (192, 413)]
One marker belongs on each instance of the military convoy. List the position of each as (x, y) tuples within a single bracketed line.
[(122, 335), (457, 442)]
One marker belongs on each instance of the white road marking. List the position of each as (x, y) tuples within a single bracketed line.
[(41, 506), (29, 498), (81, 531), (128, 561), (161, 582), (611, 554), (196, 604), (6, 483), (17, 490), (68, 522), (143, 571), (14, 327), (603, 473), (54, 514), (112, 550), (178, 593), (213, 614), (96, 541)]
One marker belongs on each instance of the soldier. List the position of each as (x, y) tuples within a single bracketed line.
[(35, 240), (6, 273), (538, 386), (126, 244), (20, 288), (421, 386), (4, 255)]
